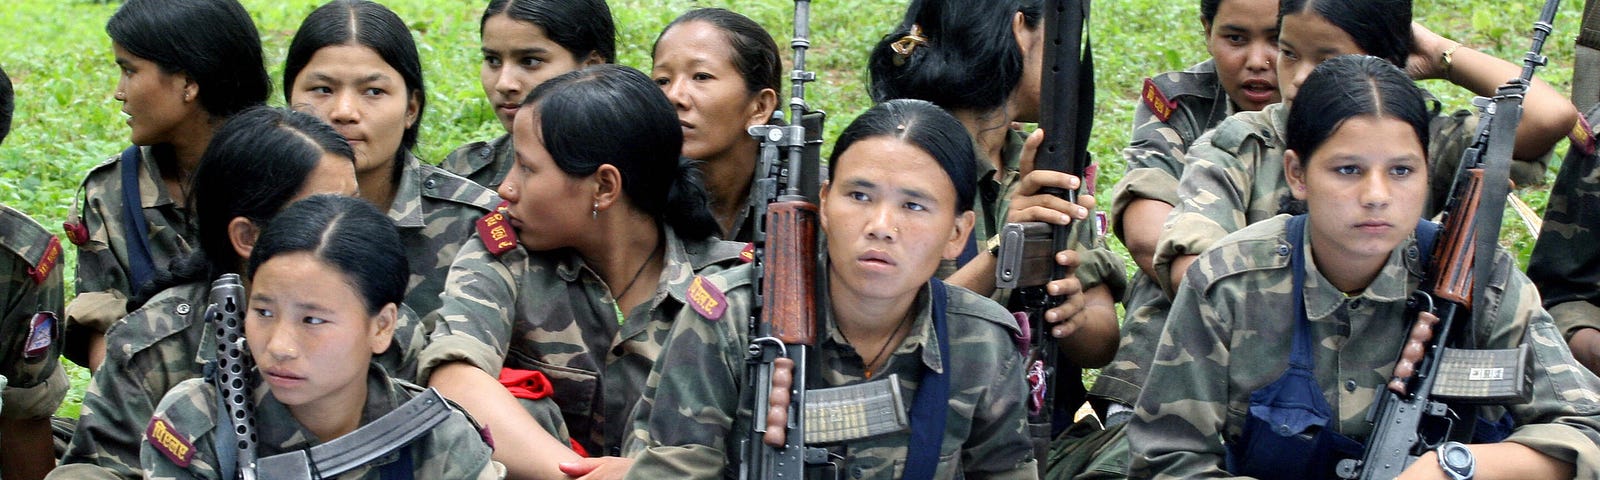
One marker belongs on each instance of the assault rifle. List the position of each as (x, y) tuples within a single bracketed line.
[(236, 433), (1414, 413), (1027, 250), (787, 274)]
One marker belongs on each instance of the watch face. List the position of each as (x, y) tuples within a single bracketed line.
[(1458, 457)]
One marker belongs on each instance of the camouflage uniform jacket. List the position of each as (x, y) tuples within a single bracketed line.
[(1565, 264), (149, 352), (691, 419), (1234, 178), (187, 417), (550, 312), (1229, 334), (30, 258), (485, 163), (1154, 158), (435, 212), (1098, 265), (102, 278)]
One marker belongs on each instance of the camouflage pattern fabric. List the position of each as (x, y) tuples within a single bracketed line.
[(691, 419), (1098, 265), (149, 352), (484, 163), (1232, 307), (1234, 178), (185, 421), (550, 312), (1155, 160), (435, 212), (102, 278), (31, 289), (1565, 264)]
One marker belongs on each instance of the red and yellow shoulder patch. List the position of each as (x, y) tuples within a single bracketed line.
[(748, 254), (47, 261), (706, 299), (1582, 136), (496, 232), (1157, 101), (77, 232), (169, 442)]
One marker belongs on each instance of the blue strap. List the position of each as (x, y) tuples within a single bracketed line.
[(1427, 234), (932, 401), (141, 266), (400, 469), (1301, 356)]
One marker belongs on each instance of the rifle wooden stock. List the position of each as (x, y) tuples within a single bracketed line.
[(789, 272), (1453, 256)]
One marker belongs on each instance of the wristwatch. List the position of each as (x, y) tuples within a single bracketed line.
[(1457, 461), (992, 245)]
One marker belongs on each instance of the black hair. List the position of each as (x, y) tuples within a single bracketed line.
[(925, 126), (580, 26), (7, 104), (347, 233), (367, 24), (1352, 86), (1382, 28), (584, 109), (255, 163), (214, 42), (755, 54), (970, 59), (1208, 10)]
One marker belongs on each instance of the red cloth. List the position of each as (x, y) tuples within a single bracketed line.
[(532, 385), (526, 384)]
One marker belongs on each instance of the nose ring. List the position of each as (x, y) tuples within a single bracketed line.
[(896, 229)]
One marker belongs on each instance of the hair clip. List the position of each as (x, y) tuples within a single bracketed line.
[(907, 44)]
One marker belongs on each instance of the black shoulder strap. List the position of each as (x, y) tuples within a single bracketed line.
[(932, 401), (141, 265)]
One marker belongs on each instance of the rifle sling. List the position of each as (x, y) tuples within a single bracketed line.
[(392, 431), (141, 265), (932, 401)]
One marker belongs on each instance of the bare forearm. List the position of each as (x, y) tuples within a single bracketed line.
[(25, 448), (1497, 461), (1547, 116), (524, 447), (977, 275), (1180, 265), (1585, 344), (1141, 229)]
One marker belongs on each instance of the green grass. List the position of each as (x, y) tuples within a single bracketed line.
[(60, 61)]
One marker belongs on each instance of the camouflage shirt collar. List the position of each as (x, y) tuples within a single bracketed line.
[(288, 435), (683, 258), (919, 339), (152, 190), (1010, 158), (1393, 284), (406, 211)]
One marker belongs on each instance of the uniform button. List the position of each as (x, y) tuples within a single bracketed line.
[(1283, 430), (484, 153), (1283, 250), (183, 309), (857, 471), (1355, 304), (1411, 253), (1349, 385), (429, 184)]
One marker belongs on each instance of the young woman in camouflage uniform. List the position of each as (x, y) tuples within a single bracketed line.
[(611, 234), (31, 379), (721, 71), (897, 203), (982, 62), (1175, 109), (526, 42), (1232, 355), (326, 280), (354, 64), (186, 67), (256, 164), (1233, 177)]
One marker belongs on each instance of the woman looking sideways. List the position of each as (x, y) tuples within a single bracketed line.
[(525, 43), (354, 64), (185, 68), (611, 234), (257, 163), (326, 279)]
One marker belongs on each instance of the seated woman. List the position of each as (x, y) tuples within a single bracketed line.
[(258, 162), (1232, 353), (899, 201), (586, 308), (326, 279)]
